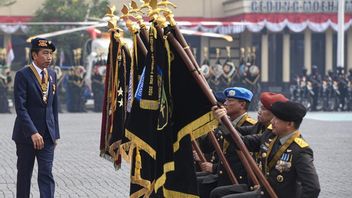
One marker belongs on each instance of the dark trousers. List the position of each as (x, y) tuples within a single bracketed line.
[(26, 155), (222, 191)]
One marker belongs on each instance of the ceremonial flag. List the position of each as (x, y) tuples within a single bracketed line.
[(168, 112), (191, 118), (115, 100), (147, 125), (10, 54)]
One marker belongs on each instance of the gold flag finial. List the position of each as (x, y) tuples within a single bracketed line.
[(167, 11), (166, 3), (154, 13), (126, 17), (110, 11), (112, 23), (136, 12), (144, 5)]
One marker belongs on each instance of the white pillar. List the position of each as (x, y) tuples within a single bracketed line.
[(308, 50), (328, 50), (204, 43), (349, 49), (286, 58), (340, 34), (265, 58)]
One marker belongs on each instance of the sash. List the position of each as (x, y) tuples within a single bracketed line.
[(43, 86), (281, 150)]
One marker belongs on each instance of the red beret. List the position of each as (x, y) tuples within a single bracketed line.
[(269, 98)]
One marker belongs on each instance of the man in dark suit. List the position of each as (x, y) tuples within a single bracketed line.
[(36, 128)]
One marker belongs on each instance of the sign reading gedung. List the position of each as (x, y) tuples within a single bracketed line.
[(307, 6)]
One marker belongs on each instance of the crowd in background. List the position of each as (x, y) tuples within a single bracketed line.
[(332, 92)]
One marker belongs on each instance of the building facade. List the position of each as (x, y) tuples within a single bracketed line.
[(288, 35)]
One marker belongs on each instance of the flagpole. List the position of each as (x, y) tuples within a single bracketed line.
[(169, 16), (154, 16), (225, 120)]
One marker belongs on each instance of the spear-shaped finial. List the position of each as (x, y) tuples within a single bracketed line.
[(167, 11), (166, 3), (154, 13), (126, 17), (110, 11), (136, 12)]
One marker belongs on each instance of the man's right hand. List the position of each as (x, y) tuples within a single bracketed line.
[(219, 112), (38, 141), (207, 167)]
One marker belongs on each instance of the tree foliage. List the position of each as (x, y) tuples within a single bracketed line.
[(67, 11)]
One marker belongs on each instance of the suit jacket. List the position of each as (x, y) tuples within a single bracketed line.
[(33, 115)]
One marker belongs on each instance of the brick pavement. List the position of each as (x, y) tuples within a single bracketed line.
[(80, 172)]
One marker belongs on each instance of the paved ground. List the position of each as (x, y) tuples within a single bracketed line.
[(80, 172)]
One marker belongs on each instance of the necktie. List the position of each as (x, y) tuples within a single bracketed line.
[(275, 148), (43, 77)]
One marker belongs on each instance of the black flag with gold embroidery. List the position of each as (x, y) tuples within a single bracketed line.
[(168, 112), (114, 114), (191, 118), (147, 124)]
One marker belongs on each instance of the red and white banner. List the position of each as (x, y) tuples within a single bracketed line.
[(253, 22)]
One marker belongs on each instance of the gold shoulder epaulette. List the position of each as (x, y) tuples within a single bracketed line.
[(251, 120), (270, 127), (301, 142)]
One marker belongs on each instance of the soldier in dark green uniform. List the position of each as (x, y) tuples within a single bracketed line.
[(264, 124), (286, 158), (236, 103)]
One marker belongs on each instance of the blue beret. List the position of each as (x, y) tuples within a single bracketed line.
[(289, 111), (42, 43), (238, 93), (220, 97)]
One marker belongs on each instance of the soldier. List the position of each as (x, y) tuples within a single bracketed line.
[(342, 86), (216, 72), (263, 124), (70, 106), (316, 81), (237, 104), (287, 159), (5, 80), (98, 87)]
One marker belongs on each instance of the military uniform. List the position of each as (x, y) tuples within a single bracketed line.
[(289, 169), (229, 150), (220, 176)]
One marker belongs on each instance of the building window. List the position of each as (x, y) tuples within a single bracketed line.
[(296, 54), (275, 58), (318, 51)]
